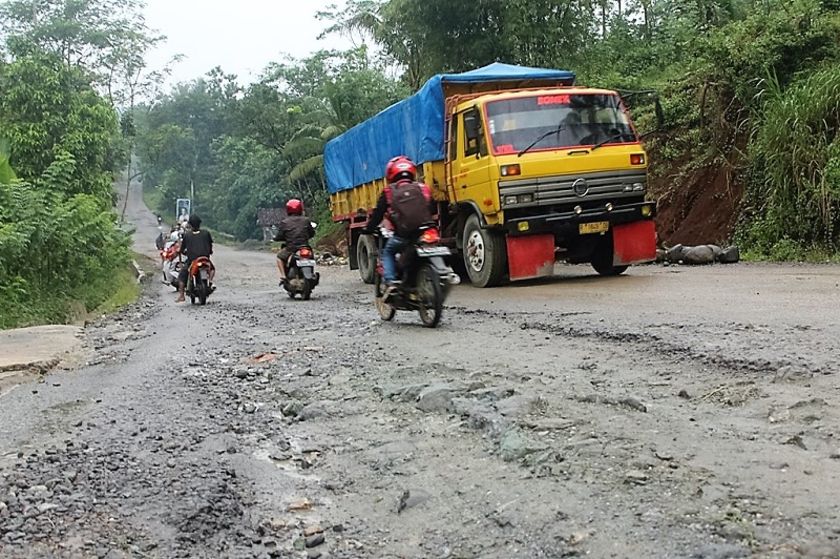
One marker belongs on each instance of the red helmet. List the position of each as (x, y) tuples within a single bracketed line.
[(294, 207), (400, 167)]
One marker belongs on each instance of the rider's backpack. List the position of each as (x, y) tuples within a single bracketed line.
[(409, 208)]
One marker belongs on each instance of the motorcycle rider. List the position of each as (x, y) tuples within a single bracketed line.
[(195, 244), (167, 264), (296, 230), (400, 172)]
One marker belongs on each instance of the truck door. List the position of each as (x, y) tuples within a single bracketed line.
[(471, 164)]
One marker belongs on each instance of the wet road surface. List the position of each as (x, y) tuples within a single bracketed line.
[(671, 412)]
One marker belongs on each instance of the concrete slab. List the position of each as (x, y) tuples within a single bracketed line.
[(26, 352)]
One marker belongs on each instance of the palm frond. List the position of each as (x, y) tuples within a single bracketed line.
[(307, 168), (303, 145), (332, 131), (306, 131)]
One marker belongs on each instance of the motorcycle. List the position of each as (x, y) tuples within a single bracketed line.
[(426, 278), (301, 277), (198, 280), (171, 263)]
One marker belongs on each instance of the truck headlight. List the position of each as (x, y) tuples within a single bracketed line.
[(526, 198), (510, 200)]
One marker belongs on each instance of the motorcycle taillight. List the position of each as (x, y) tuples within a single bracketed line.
[(430, 236), (305, 253)]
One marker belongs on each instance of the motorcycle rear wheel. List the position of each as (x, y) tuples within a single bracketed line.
[(386, 311), (430, 294), (291, 276)]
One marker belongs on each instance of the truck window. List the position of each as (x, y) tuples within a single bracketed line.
[(474, 141), (453, 138), (574, 119)]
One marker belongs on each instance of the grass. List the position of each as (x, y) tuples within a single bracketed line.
[(121, 288), (126, 291), (789, 250), (812, 255), (327, 228)]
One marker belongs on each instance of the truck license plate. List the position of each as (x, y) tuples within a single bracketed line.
[(434, 251), (594, 227)]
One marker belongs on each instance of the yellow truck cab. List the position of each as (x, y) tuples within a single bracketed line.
[(527, 169)]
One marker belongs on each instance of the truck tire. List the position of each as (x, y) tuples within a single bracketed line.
[(366, 257), (602, 258), (485, 254)]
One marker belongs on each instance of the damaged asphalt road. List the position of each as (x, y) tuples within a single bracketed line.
[(669, 413)]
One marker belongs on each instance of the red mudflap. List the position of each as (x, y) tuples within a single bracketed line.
[(634, 243), (531, 256)]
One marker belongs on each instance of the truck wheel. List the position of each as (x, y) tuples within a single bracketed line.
[(366, 256), (485, 254), (602, 258)]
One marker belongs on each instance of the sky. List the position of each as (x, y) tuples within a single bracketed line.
[(241, 36)]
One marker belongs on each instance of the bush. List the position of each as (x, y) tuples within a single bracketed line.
[(54, 252), (795, 190)]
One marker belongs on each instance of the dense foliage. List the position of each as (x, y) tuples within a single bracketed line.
[(747, 87), (239, 148), (61, 254)]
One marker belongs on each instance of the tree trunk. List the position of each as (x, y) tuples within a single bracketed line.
[(603, 19), (128, 178)]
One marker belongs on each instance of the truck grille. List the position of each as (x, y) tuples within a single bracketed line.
[(572, 189)]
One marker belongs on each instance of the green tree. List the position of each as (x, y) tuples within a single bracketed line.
[(108, 38), (256, 147), (49, 110)]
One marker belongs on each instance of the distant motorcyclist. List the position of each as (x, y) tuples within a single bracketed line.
[(408, 205), (296, 230), (196, 243), (160, 240)]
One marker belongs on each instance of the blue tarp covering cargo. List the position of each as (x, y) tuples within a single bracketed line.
[(412, 127)]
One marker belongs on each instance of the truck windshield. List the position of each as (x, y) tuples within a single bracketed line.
[(564, 121)]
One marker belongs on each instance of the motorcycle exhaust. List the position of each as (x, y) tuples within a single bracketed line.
[(454, 279)]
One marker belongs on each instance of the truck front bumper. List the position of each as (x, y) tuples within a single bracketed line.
[(564, 224)]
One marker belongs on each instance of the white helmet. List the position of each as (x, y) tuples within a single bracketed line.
[(174, 237)]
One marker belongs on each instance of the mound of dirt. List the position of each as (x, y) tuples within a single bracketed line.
[(697, 207), (335, 243)]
